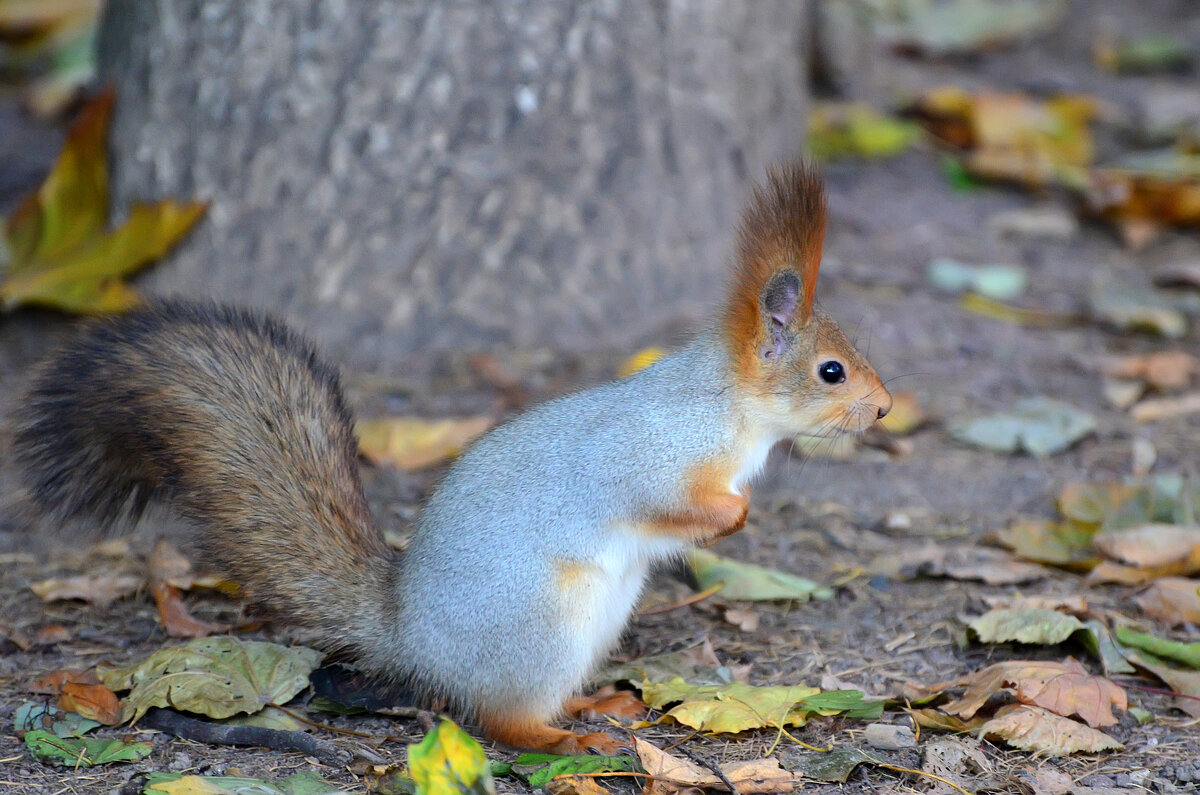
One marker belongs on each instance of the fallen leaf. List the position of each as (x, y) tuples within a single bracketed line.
[(1012, 137), (1171, 599), (839, 129), (1024, 625), (1006, 313), (1039, 425), (81, 751), (100, 590), (40, 715), (575, 785), (956, 760), (217, 677), (937, 720), (745, 581), (1127, 309), (1042, 732), (447, 760), (170, 571), (990, 566), (305, 783), (1065, 688), (412, 444), (906, 414), (1152, 189), (1001, 282), (964, 26), (1185, 682), (1108, 571), (1100, 643), (1047, 781), (737, 706), (61, 255), (1153, 545), (1186, 653), (1156, 52), (834, 766), (752, 776), (539, 769), (1155, 409), (1161, 370), (1067, 544)]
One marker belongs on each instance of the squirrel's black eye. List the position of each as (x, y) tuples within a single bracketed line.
[(832, 372)]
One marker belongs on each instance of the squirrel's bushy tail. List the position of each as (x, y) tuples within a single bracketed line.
[(241, 427)]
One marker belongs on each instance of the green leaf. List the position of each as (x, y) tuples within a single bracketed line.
[(1039, 425), (71, 206), (1099, 641), (832, 766), (538, 769), (1185, 653), (1025, 625), (737, 706), (842, 130), (749, 582), (82, 752), (217, 677), (38, 715), (1002, 282), (86, 279), (449, 761), (1066, 544)]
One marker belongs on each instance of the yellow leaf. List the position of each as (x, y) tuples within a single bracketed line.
[(640, 361), (85, 279), (449, 761), (411, 443)]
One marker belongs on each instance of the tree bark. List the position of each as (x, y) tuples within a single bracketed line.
[(409, 178)]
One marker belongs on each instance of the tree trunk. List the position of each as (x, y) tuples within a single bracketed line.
[(409, 178)]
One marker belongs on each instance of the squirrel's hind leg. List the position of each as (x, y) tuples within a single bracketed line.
[(536, 735)]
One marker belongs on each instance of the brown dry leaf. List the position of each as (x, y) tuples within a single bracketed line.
[(575, 785), (1047, 781), (174, 615), (168, 566), (1066, 688), (411, 443), (937, 720), (1075, 605), (1162, 370), (1108, 571), (1171, 599), (79, 690), (1042, 732), (1183, 681), (672, 773), (100, 590), (1147, 192), (1153, 546)]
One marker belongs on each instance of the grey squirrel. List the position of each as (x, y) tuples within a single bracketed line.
[(530, 556)]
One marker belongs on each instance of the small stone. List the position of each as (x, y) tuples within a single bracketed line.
[(181, 761), (889, 737), (897, 520), (1138, 777), (1123, 780)]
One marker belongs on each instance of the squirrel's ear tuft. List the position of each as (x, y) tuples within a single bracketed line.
[(779, 254)]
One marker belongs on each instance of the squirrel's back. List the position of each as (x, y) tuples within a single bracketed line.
[(235, 420)]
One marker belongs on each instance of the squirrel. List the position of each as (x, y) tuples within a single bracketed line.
[(530, 556)]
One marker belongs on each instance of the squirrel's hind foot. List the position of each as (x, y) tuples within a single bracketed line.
[(606, 701), (534, 735)]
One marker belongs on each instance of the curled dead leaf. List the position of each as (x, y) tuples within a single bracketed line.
[(1171, 599), (672, 773), (99, 590)]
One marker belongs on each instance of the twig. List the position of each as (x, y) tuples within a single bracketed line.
[(200, 731), (691, 600), (711, 765)]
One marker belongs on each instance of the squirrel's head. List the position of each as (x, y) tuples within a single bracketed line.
[(790, 358)]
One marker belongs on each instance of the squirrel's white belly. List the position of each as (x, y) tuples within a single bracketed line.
[(599, 594)]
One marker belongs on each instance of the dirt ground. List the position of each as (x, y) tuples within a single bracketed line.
[(819, 518)]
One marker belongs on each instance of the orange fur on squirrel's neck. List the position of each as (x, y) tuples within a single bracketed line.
[(782, 228)]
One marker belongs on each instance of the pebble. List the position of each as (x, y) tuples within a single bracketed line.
[(888, 737), (1051, 223)]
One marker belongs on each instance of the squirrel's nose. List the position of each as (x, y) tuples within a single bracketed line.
[(884, 403), (883, 412)]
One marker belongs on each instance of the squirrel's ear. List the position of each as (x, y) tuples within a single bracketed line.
[(780, 300)]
